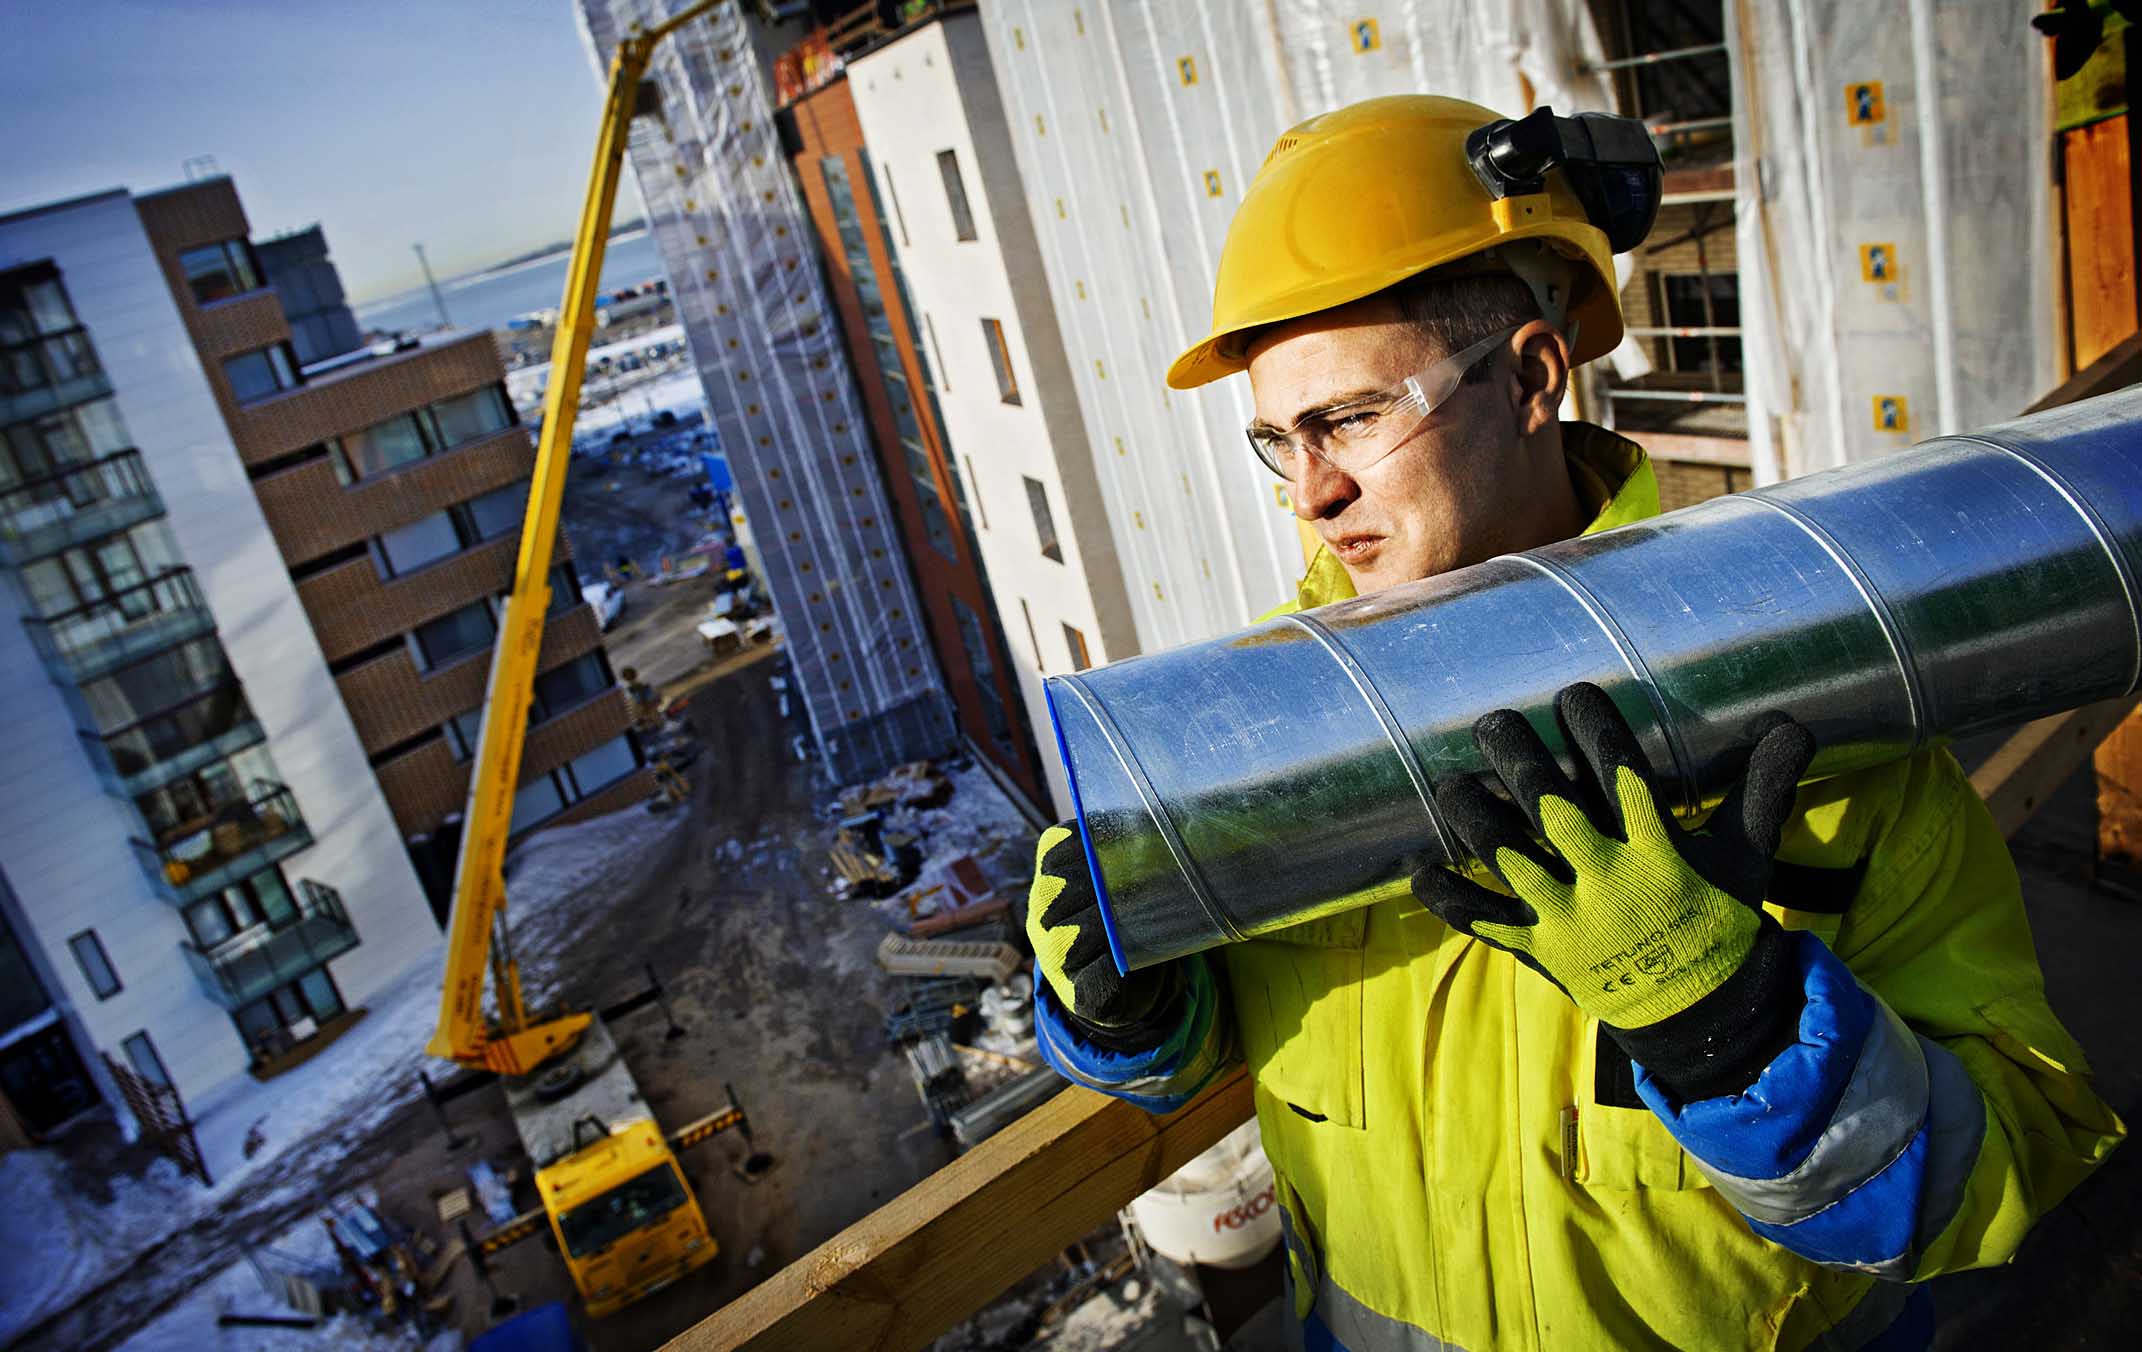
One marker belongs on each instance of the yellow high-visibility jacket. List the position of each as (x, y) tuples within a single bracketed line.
[(1459, 1161)]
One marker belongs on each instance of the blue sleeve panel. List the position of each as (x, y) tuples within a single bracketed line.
[(1854, 1145), (1160, 1079)]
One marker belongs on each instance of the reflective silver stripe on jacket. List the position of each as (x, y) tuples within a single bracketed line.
[(1957, 1133), (1880, 1112)]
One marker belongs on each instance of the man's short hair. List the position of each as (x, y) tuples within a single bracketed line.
[(1456, 312)]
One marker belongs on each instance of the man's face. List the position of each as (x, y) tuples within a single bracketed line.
[(1443, 499)]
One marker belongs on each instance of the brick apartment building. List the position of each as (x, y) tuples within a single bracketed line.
[(394, 488)]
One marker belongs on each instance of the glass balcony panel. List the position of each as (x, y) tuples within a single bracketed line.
[(75, 505), (49, 372), (255, 961), (89, 640), (170, 745), (242, 839)]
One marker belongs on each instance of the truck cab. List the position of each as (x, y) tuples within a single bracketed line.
[(624, 1218)]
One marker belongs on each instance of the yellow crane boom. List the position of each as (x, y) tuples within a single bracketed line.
[(476, 933)]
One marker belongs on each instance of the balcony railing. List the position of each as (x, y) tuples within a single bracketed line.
[(91, 639), (169, 745), (56, 370), (75, 505), (253, 962), (237, 840)]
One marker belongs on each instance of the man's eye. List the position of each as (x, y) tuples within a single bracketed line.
[(1358, 421)]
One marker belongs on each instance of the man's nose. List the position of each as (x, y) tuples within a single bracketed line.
[(1322, 490)]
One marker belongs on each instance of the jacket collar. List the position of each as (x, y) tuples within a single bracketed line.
[(1613, 478)]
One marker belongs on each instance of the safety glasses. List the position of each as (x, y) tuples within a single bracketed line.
[(1354, 435)]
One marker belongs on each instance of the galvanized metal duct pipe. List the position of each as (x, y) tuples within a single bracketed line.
[(1234, 787)]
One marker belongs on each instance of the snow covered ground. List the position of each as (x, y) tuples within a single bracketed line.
[(61, 1243)]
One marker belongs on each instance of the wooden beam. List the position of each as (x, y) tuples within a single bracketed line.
[(958, 1239), (2118, 368), (2040, 756)]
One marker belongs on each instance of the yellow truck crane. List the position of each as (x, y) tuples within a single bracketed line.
[(623, 1216)]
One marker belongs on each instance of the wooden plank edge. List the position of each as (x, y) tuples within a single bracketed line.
[(962, 1236), (2017, 777)]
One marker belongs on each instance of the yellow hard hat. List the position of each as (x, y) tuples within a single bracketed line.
[(1356, 200)]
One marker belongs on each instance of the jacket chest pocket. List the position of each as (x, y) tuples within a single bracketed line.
[(1298, 1000), (1619, 1143)]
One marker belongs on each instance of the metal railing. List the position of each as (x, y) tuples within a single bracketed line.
[(50, 371), (80, 502), (239, 839), (91, 638), (153, 746), (253, 962)]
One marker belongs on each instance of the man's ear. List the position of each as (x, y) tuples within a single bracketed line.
[(1539, 376)]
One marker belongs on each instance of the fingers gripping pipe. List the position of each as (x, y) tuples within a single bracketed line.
[(1237, 786)]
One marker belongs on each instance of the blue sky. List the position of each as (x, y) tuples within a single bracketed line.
[(463, 124)]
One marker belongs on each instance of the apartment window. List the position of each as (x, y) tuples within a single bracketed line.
[(498, 512), (462, 732), (141, 1054), (575, 683), (1000, 358), (263, 899), (467, 630), (1076, 642), (150, 686), (96, 965), (943, 378), (1040, 663), (289, 1013), (975, 640), (260, 373), (408, 548), (476, 414), (956, 193), (383, 446), (59, 441), (1682, 298), (1037, 497), (41, 342), (220, 271), (605, 765), (193, 802), (538, 799)]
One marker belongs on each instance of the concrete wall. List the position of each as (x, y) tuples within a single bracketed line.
[(931, 91), (62, 836)]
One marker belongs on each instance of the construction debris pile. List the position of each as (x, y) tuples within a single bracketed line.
[(963, 1014)]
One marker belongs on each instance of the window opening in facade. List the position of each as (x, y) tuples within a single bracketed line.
[(141, 1054), (289, 1014), (1000, 359), (220, 271), (407, 438), (96, 965), (1681, 300), (1041, 664), (453, 636), (261, 900), (42, 343), (261, 372), (1076, 642), (956, 194), (1037, 498)]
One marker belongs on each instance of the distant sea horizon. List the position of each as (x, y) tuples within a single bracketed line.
[(492, 297)]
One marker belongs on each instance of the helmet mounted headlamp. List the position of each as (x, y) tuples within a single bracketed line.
[(1609, 162)]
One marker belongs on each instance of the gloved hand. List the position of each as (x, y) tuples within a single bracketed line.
[(1656, 931), (1063, 923)]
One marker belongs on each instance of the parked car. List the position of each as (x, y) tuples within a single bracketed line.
[(609, 602)]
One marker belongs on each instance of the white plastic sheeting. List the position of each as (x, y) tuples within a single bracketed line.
[(1136, 125), (1893, 223), (744, 270)]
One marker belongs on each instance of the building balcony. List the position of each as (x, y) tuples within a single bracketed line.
[(91, 640), (241, 839), (75, 505), (248, 965), (150, 753), (56, 371)]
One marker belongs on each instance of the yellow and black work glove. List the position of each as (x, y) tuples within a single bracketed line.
[(1063, 923), (1655, 930)]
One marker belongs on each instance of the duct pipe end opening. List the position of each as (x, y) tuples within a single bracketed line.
[(1085, 835)]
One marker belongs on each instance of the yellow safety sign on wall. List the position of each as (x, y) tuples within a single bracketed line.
[(1212, 183), (1186, 66), (1366, 36), (1892, 413), (1878, 262), (1863, 103)]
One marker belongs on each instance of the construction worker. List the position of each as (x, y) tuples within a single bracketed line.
[(1627, 1082)]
